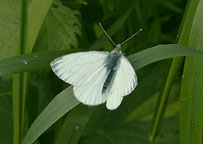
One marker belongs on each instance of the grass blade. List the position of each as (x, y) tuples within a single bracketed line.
[(18, 81), (41, 60), (160, 52), (191, 92), (29, 62), (59, 106)]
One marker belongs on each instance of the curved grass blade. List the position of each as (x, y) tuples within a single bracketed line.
[(160, 52), (65, 101), (59, 106)]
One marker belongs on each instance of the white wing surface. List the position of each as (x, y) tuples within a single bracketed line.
[(80, 68), (124, 83), (91, 93)]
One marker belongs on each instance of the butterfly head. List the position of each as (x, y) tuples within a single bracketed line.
[(117, 50), (118, 47)]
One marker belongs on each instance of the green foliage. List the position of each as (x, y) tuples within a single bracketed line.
[(60, 29), (37, 107), (191, 92), (9, 27)]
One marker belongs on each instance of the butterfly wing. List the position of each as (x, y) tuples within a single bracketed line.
[(80, 68), (91, 93), (124, 82)]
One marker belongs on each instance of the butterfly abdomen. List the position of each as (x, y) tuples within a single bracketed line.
[(108, 80)]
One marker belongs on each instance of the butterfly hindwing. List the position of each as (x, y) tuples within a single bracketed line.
[(124, 82), (91, 93), (79, 68)]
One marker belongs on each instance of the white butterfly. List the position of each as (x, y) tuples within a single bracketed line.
[(96, 76)]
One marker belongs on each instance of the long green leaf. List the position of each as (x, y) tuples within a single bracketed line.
[(160, 52), (41, 60), (57, 108), (29, 62), (192, 93)]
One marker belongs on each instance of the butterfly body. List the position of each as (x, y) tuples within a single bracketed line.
[(112, 64)]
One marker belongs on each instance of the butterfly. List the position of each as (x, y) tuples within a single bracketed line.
[(98, 76)]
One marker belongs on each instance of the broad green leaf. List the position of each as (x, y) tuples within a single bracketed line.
[(192, 92), (9, 27), (73, 125), (41, 60), (59, 106), (37, 12), (60, 29)]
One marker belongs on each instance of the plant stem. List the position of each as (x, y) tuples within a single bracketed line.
[(175, 66), (19, 81)]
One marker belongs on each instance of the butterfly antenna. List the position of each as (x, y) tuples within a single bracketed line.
[(107, 34), (131, 36)]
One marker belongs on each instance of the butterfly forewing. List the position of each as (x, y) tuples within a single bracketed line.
[(79, 69)]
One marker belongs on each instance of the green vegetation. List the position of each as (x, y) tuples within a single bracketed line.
[(165, 108)]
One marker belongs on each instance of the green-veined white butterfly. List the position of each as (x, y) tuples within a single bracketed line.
[(98, 77)]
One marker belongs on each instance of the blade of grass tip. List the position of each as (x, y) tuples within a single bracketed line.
[(18, 80), (112, 30), (176, 64)]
